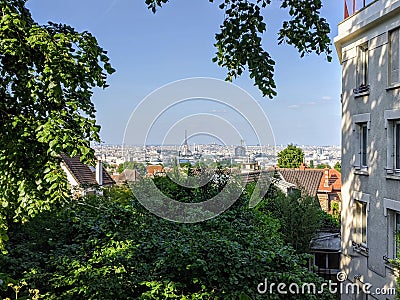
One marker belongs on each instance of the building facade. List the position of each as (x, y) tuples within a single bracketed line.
[(368, 48), (330, 191)]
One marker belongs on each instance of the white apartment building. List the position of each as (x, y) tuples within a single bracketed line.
[(368, 48)]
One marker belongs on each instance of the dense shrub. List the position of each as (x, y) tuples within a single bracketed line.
[(300, 217), (110, 247)]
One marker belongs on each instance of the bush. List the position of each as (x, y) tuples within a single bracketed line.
[(112, 248), (300, 217)]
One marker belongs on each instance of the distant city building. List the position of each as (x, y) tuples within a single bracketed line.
[(185, 148), (240, 151), (249, 167), (169, 155)]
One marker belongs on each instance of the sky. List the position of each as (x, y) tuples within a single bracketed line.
[(150, 50)]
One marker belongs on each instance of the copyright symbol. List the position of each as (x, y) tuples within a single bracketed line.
[(341, 276), (187, 113)]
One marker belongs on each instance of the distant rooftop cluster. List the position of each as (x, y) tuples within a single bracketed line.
[(265, 156)]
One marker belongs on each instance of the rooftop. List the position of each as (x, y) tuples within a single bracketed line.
[(308, 179), (82, 173)]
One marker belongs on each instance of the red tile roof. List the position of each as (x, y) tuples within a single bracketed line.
[(331, 180), (153, 169)]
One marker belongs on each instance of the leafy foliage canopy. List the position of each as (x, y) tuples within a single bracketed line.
[(110, 247), (239, 43), (290, 157), (47, 73)]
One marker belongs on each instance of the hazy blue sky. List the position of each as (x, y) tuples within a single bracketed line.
[(149, 51)]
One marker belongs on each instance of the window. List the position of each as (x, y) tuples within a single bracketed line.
[(392, 125), (396, 150), (361, 126), (394, 234), (327, 260), (362, 69), (363, 138), (360, 222), (394, 57), (320, 260)]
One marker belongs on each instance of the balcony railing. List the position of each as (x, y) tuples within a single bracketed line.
[(352, 6)]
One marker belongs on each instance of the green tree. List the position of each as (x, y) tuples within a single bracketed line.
[(290, 157), (300, 217), (311, 164), (47, 74), (338, 166), (323, 166), (132, 165), (239, 43)]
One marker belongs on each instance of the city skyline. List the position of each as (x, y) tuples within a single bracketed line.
[(149, 51)]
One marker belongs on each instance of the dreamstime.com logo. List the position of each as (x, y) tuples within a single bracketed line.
[(340, 286), (205, 108)]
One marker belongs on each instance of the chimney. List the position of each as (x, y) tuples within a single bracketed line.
[(326, 177), (99, 172)]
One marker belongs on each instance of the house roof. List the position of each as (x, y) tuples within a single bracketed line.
[(128, 175), (326, 241), (309, 180), (334, 180), (82, 173), (337, 176), (152, 169)]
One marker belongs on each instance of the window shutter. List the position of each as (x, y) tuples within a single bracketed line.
[(396, 146), (394, 57), (365, 66), (363, 222), (357, 152), (390, 147), (391, 234), (364, 145), (361, 66), (396, 235), (355, 223)]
